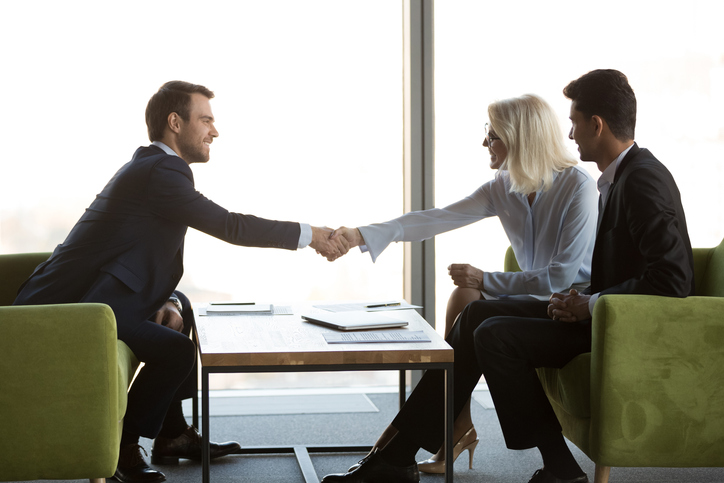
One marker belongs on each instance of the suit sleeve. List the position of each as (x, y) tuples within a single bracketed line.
[(654, 222), (171, 195)]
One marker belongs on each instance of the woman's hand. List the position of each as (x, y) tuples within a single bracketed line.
[(466, 276), (352, 235)]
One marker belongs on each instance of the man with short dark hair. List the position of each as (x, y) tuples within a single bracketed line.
[(126, 251), (642, 247)]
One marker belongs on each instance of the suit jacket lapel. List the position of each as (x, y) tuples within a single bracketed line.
[(621, 167), (635, 149)]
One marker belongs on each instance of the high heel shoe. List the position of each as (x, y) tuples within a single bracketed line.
[(469, 441)]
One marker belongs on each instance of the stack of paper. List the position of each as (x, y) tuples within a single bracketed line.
[(228, 308)]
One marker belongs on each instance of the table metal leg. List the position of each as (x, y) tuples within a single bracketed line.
[(302, 452), (449, 422), (195, 409), (403, 388), (205, 448), (305, 464), (195, 400)]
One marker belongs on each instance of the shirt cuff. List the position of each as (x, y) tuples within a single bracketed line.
[(305, 235), (592, 302)]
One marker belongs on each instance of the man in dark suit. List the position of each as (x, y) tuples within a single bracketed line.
[(126, 251), (642, 247)]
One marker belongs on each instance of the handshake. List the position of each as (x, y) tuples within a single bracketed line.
[(332, 244)]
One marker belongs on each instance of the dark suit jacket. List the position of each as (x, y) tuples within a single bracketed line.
[(127, 249), (643, 246)]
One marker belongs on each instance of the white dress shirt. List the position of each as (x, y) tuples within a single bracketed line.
[(305, 235), (604, 185), (552, 239)]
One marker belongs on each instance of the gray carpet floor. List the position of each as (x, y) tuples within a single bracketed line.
[(492, 461)]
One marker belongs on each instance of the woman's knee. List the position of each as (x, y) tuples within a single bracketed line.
[(461, 297)]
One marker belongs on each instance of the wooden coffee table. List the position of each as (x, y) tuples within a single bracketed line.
[(286, 343)]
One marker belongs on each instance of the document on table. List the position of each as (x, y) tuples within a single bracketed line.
[(229, 308), (238, 308), (376, 336), (368, 307)]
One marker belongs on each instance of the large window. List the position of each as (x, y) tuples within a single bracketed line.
[(308, 105), (673, 55)]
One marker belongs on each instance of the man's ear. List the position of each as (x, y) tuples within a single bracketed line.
[(598, 124), (174, 122)]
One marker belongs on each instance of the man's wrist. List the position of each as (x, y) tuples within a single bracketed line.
[(175, 300), (592, 302), (305, 235)]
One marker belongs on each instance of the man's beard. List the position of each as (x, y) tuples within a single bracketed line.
[(191, 153)]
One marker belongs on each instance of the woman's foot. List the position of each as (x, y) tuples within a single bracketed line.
[(436, 464)]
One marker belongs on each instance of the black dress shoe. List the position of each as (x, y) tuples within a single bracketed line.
[(545, 476), (360, 462), (132, 468), (374, 469), (167, 451)]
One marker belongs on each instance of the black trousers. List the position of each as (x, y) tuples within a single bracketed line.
[(505, 340), (169, 372)]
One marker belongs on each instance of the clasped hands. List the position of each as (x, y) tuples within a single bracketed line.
[(571, 307), (332, 244)]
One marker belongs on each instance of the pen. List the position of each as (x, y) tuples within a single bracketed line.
[(382, 305)]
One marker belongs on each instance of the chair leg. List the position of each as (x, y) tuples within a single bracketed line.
[(602, 474), (97, 480)]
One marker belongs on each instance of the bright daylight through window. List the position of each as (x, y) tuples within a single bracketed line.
[(309, 110), (485, 51)]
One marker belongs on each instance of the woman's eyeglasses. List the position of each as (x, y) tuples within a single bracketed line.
[(489, 137)]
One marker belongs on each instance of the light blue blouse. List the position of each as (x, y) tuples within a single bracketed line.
[(552, 240)]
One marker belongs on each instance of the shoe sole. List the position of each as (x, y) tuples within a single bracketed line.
[(173, 460), (157, 480)]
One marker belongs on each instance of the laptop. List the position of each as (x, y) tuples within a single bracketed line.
[(355, 320)]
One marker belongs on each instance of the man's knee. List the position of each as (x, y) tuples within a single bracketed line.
[(178, 351), (476, 313), (491, 334)]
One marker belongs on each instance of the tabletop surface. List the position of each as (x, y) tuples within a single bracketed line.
[(288, 340)]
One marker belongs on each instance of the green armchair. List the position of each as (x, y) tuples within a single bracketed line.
[(651, 391), (64, 378)]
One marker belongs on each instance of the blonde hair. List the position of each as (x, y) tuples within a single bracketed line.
[(528, 127)]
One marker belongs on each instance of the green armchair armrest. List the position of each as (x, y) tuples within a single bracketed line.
[(651, 391), (63, 378), (63, 391), (657, 384)]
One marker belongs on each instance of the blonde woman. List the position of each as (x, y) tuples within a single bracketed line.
[(547, 205)]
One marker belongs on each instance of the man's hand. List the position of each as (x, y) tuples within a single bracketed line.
[(569, 308), (466, 276), (328, 247), (168, 315), (352, 235)]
